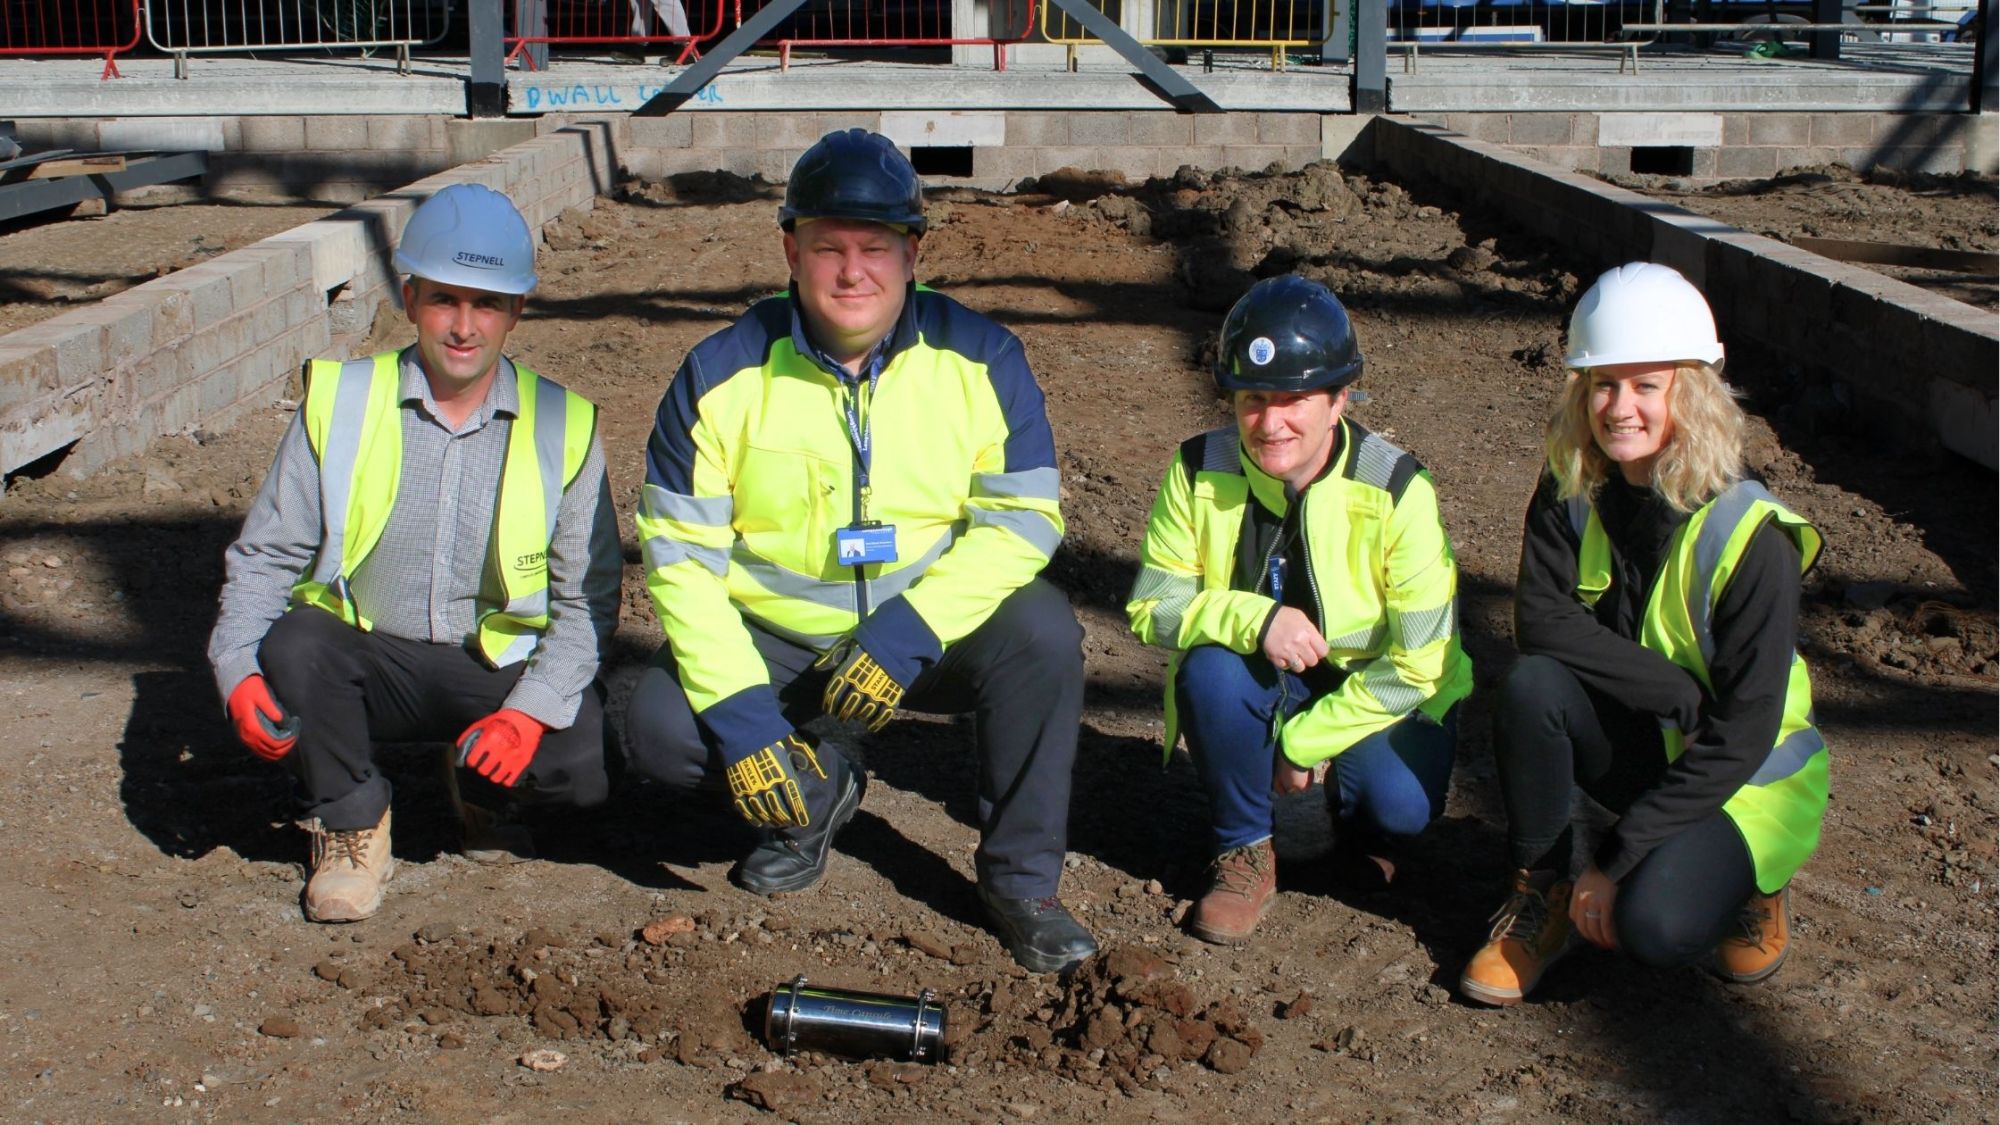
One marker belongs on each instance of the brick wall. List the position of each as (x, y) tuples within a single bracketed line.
[(1922, 368), (208, 343)]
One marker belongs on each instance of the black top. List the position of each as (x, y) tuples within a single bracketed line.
[(1755, 626)]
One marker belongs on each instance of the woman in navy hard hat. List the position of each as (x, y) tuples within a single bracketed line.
[(1657, 614), (1298, 567)]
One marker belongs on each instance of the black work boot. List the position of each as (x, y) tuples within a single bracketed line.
[(1040, 932), (792, 859)]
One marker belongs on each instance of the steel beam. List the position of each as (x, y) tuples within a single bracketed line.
[(691, 80), (27, 197)]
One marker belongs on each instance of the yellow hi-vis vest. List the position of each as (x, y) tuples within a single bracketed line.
[(1779, 810), (353, 420)]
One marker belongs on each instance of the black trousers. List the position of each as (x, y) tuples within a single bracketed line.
[(1020, 673), (352, 689), (1550, 731)]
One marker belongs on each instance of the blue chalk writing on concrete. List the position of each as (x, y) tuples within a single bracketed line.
[(554, 97), (709, 94)]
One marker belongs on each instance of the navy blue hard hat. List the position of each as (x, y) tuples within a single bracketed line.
[(854, 174), (1287, 334)]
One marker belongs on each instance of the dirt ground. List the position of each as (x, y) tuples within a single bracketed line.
[(1832, 201), (155, 963)]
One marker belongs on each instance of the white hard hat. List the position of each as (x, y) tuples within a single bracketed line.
[(470, 235), (1642, 312)]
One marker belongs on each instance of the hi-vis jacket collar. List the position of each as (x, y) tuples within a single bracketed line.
[(901, 337), (502, 397)]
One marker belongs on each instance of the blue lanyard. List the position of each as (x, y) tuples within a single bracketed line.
[(857, 434)]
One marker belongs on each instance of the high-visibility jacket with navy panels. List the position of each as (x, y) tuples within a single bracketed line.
[(353, 422), (1780, 809), (752, 468), (1377, 558)]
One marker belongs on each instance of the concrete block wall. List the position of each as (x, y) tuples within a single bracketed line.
[(1925, 367), (1007, 146), (333, 158), (1728, 146), (213, 341)]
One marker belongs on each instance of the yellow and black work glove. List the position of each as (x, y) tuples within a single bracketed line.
[(860, 690), (766, 784)]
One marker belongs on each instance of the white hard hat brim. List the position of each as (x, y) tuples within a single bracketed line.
[(1583, 361)]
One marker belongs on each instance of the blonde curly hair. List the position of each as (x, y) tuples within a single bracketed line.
[(1703, 453)]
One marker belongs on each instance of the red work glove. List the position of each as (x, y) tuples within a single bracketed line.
[(262, 723), (500, 745)]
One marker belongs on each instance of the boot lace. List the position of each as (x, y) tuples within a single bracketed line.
[(1750, 924), (1520, 918), (348, 844), (1240, 871)]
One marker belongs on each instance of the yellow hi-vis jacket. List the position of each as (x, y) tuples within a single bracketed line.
[(1377, 556), (1780, 809), (752, 468), (353, 421)]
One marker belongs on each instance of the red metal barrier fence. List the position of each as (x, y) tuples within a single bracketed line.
[(70, 27), (618, 24), (894, 23)]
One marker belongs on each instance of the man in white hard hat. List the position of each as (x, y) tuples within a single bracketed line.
[(433, 556)]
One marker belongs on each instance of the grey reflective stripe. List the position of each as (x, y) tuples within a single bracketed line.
[(1218, 452), (517, 650), (336, 466), (1375, 462), (703, 511), (1367, 640), (1171, 595), (1415, 630), (1035, 527), (1578, 508), (551, 425), (1028, 484), (1790, 755), (1389, 690), (660, 552), (1724, 513), (815, 641), (889, 585), (789, 584)]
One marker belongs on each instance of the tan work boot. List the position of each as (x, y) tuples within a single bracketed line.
[(1762, 940), (1531, 931), (348, 870), (1243, 881)]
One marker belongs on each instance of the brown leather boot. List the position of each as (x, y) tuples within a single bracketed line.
[(1531, 931), (1762, 940), (349, 867), (1242, 883)]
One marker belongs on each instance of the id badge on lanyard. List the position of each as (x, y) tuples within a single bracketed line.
[(865, 542)]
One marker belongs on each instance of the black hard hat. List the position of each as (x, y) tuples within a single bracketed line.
[(854, 174), (1287, 334)]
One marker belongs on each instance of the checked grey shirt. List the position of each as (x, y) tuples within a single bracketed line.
[(427, 579)]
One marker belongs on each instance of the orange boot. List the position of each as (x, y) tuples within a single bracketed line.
[(1762, 940), (1244, 880), (1531, 931)]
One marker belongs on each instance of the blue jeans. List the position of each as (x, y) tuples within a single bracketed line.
[(1391, 783)]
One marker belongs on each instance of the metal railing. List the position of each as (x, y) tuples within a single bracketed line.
[(616, 24), (187, 27), (70, 27), (893, 23), (1273, 25)]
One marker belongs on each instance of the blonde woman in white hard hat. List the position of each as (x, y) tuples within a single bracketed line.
[(1656, 613)]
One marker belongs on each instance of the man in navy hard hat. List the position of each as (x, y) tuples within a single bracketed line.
[(850, 494), (433, 556)]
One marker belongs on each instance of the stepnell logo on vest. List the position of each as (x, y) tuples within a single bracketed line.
[(479, 261), (529, 561)]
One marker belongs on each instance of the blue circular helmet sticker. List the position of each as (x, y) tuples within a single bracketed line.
[(1262, 350)]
